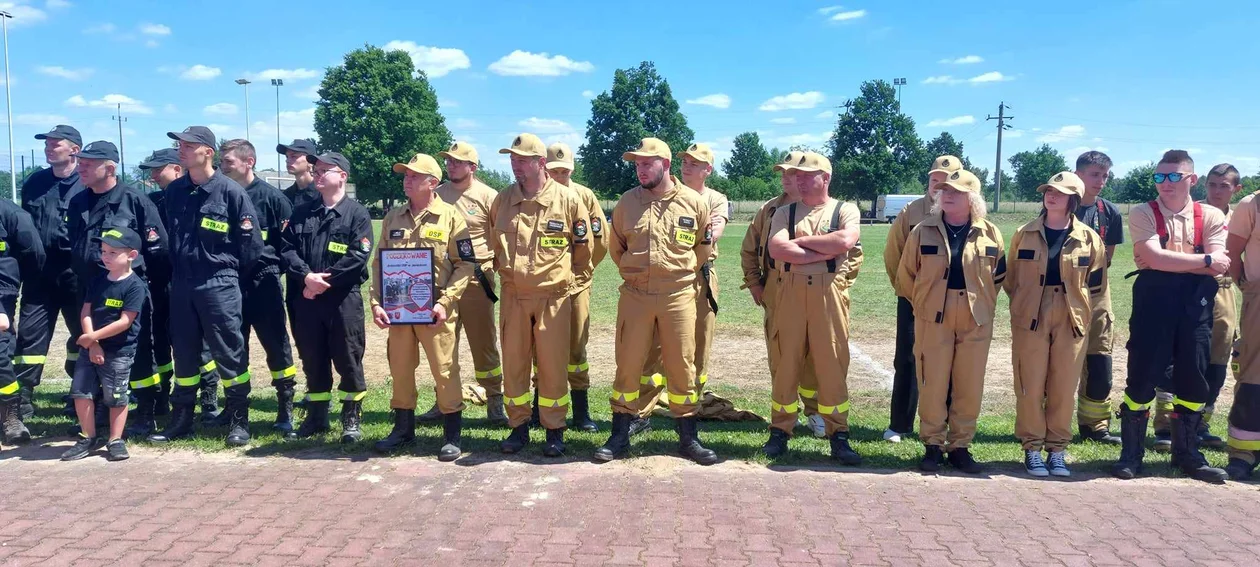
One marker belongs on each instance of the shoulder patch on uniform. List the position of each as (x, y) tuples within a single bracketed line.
[(151, 234), (365, 244), (687, 222), (579, 228), (597, 225), (465, 248), (247, 223), (708, 234), (554, 225), (396, 233)]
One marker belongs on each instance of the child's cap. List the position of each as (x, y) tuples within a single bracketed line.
[(121, 237)]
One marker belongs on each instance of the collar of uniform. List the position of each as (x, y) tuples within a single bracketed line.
[(1187, 212), (114, 195), (339, 207), (646, 196), (1076, 229), (256, 184), (211, 185), (434, 208), (938, 220), (542, 197), (1225, 210)]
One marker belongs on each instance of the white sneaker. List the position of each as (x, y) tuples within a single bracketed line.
[(1058, 464), (892, 436), (1033, 464), (817, 426)]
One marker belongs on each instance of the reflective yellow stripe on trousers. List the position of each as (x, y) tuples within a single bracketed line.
[(553, 402), (833, 409)]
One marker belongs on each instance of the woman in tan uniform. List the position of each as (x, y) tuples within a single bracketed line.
[(1055, 265), (950, 270)]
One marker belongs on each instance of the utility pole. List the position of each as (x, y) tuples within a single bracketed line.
[(245, 83), (122, 166), (899, 82), (8, 102), (997, 174), (277, 83)]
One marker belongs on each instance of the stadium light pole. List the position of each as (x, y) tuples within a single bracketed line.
[(277, 83), (8, 103), (899, 82), (245, 83)]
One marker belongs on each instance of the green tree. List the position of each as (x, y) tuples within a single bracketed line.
[(1137, 186), (1032, 169), (942, 145), (749, 159), (874, 149), (497, 180), (640, 104), (377, 110), (990, 189)]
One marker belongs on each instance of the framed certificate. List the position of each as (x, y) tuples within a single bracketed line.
[(407, 288)]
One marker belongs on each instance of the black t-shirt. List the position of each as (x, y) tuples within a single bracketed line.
[(109, 299), (957, 237), (1110, 226), (1054, 243)]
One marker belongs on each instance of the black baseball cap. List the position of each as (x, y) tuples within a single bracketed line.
[(160, 158), (195, 135), (332, 158), (121, 237), (299, 145), (100, 149), (63, 132)]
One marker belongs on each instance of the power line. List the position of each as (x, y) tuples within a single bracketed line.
[(1141, 125)]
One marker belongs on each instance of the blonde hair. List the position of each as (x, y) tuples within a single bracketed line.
[(975, 201)]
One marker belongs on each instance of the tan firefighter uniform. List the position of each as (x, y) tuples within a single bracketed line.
[(1093, 414), (540, 244), (559, 155), (658, 245), (476, 308), (1244, 415), (440, 227), (1050, 320), (953, 327), (812, 315), (706, 299)]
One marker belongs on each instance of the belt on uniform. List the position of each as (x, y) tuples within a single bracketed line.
[(706, 270), (485, 283)]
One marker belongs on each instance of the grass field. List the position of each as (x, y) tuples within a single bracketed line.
[(873, 324)]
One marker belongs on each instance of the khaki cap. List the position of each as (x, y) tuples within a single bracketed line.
[(559, 156), (649, 147), (947, 164), (699, 152), (421, 163), (1066, 182), (811, 161), (526, 145), (961, 180), (461, 151), (789, 161)]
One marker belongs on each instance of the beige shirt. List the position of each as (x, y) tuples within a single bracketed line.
[(1243, 224), (440, 227), (718, 207), (540, 242), (812, 221), (658, 243), (752, 253), (474, 203), (909, 217), (599, 244), (1180, 226)]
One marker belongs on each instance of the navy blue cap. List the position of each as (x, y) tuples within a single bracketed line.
[(100, 149), (196, 135), (121, 237), (63, 132), (300, 145), (160, 158), (332, 158)]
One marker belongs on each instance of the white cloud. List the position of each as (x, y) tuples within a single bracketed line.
[(110, 102), (545, 125), (588, 93), (434, 61), (285, 74), (309, 93), (525, 64), (1069, 132), (23, 14), (964, 60), (802, 139), (990, 77), (846, 16), (941, 80), (786, 120), (830, 10), (221, 108), (718, 100), (200, 72), (793, 101), (64, 73), (155, 29), (955, 121), (1071, 153), (101, 28)]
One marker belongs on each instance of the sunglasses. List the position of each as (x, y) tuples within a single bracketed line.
[(1174, 177)]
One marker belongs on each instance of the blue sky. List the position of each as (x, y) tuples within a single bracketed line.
[(1131, 78)]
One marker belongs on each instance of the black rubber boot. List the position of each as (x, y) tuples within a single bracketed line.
[(15, 432), (434, 414), (142, 424), (1133, 443), (316, 420), (842, 452), (1185, 447), (238, 422), (210, 411), (962, 460), (689, 442), (1240, 470), (516, 440), (26, 394), (933, 458), (582, 411), (555, 443), (452, 434), (618, 443), (351, 420), (284, 412), (777, 446), (179, 426), (404, 432)]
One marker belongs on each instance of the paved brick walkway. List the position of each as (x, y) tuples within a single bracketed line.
[(180, 508)]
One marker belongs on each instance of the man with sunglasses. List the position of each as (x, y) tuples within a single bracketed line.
[(1179, 248)]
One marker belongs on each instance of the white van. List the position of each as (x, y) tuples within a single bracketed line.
[(887, 207)]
